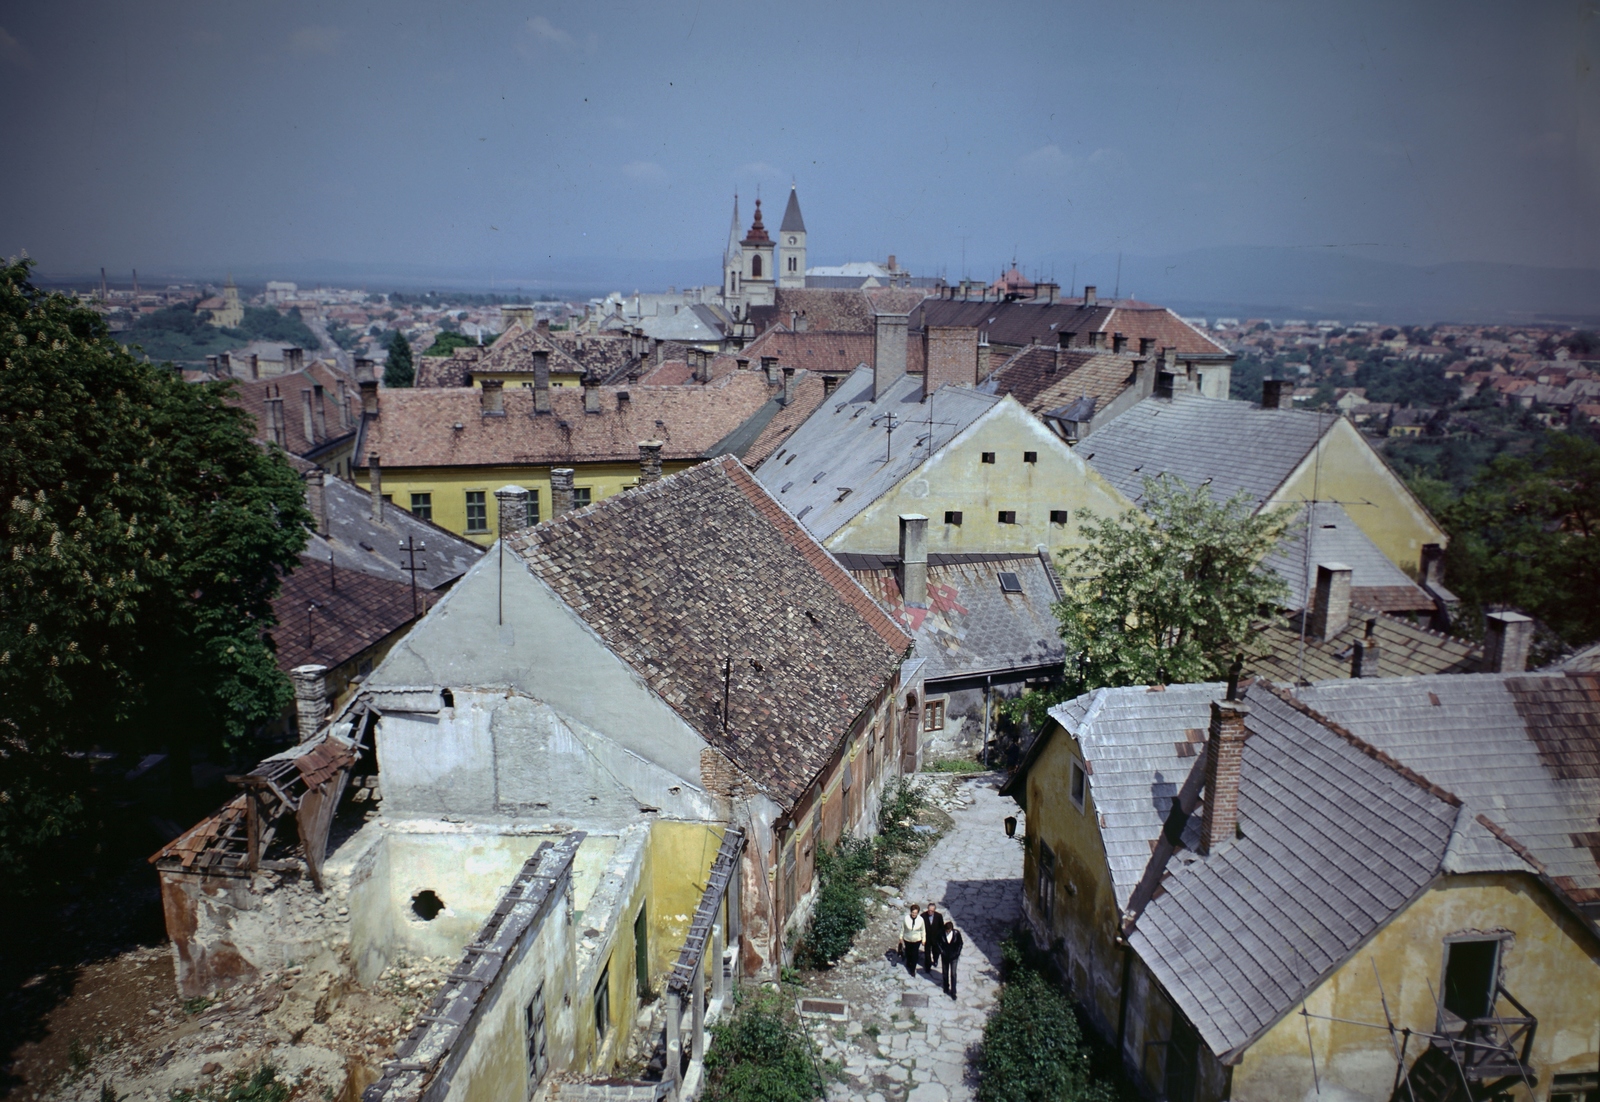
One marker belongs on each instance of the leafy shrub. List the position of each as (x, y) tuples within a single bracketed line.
[(1033, 1047), (840, 911), (761, 1054), (261, 1085)]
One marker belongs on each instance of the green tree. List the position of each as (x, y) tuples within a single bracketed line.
[(446, 343), (1163, 596), (761, 1053), (145, 532), (398, 371)]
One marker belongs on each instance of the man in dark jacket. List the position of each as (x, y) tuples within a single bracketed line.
[(933, 922), (950, 954)]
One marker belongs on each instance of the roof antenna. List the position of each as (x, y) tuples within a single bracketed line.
[(1116, 292)]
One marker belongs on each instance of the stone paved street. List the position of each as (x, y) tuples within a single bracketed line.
[(922, 1053)]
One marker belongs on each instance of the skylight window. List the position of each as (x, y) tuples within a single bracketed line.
[(1009, 582)]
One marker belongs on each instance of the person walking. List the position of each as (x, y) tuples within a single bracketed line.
[(950, 953), (933, 941), (912, 933)]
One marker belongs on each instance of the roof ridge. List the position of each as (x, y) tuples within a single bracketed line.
[(1360, 743), (1511, 843)]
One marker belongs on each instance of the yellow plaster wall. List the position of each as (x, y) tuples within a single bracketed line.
[(1351, 472), (449, 486), (522, 378), (1085, 904), (957, 479), (680, 856), (1552, 967)]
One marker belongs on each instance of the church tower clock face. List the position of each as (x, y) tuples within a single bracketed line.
[(791, 240)]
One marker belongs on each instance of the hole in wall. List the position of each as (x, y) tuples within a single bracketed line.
[(426, 905)]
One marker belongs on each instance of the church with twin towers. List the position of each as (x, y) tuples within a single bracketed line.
[(756, 265)]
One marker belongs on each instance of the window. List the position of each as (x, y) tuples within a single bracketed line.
[(1058, 516), (933, 716), (1583, 1086), (422, 506), (533, 1024), (988, 457), (477, 511), (1471, 972), (580, 497), (1008, 516), (755, 266), (1030, 457), (533, 507), (602, 1004), (1046, 885), (789, 897), (1009, 582), (1080, 783), (791, 260), (641, 953), (952, 516)]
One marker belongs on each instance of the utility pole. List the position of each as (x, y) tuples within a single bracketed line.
[(410, 549)]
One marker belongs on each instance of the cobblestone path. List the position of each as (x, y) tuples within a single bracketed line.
[(924, 1042)]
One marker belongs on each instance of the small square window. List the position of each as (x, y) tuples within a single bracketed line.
[(952, 516), (988, 457), (580, 496), (477, 511), (1030, 457), (422, 506), (1080, 785), (933, 716), (1058, 516), (1008, 516), (533, 507), (1009, 582)]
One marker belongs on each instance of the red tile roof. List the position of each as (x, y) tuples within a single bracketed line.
[(1032, 378), (339, 398), (805, 395), (327, 617), (834, 353)]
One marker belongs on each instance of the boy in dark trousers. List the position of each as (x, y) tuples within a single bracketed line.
[(933, 922), (950, 953)]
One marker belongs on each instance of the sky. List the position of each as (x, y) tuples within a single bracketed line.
[(515, 139)]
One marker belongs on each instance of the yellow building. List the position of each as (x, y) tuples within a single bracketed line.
[(442, 452), (1245, 894)]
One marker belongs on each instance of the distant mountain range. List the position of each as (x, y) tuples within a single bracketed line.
[(1226, 281)]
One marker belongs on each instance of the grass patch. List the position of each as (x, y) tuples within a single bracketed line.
[(261, 1085), (761, 1053), (956, 765), (1033, 1046)]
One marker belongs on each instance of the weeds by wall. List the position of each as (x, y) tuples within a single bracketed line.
[(760, 1053), (1033, 1047)]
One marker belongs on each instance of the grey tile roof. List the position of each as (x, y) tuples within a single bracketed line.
[(1404, 649), (1523, 750), (1335, 841), (842, 459), (970, 625), (1228, 445), (357, 542), (1334, 537)]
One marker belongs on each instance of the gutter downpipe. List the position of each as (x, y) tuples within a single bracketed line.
[(1122, 999), (988, 700)]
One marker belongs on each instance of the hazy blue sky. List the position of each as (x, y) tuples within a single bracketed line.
[(496, 136)]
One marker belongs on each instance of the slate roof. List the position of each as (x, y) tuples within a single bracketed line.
[(1404, 649), (358, 543), (677, 575), (840, 448), (1375, 581), (791, 215), (1024, 322), (971, 626), (805, 395), (1227, 444), (417, 427), (330, 616), (1522, 750), (1031, 377), (1336, 840)]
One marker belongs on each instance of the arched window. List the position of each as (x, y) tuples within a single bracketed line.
[(755, 266)]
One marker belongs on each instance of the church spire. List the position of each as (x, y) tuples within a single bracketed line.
[(730, 255), (792, 222)]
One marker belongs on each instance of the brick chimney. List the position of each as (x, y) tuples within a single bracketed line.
[(1330, 607), (225, 363), (511, 504), (830, 383), (1047, 292), (310, 698), (1506, 639), (702, 364), (320, 401), (1364, 662), (375, 478), (1089, 298), (308, 423), (317, 499), (788, 382), (769, 368), (492, 397), (591, 394), (914, 559), (950, 357), (649, 461), (1146, 345), (541, 380), (1224, 762), (1097, 339), (888, 351), (369, 397), (560, 491), (1277, 394), (255, 366)]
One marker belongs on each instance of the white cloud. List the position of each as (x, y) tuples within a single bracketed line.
[(644, 170), (1047, 158), (539, 31), (314, 40), (760, 168), (12, 52)]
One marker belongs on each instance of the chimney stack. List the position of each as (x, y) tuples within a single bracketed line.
[(375, 478), (649, 461), (830, 383), (1047, 291), (769, 368), (950, 357), (492, 397), (511, 502), (1097, 339), (369, 397), (1365, 661), (277, 428), (1089, 295), (1277, 394), (293, 359), (888, 351), (225, 362), (308, 423), (1432, 564), (541, 380), (1146, 345), (1506, 639), (320, 401), (1330, 609), (1119, 343), (255, 366), (560, 492), (591, 394), (1224, 762), (310, 698), (317, 499), (983, 355), (788, 382), (914, 559), (213, 365)]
